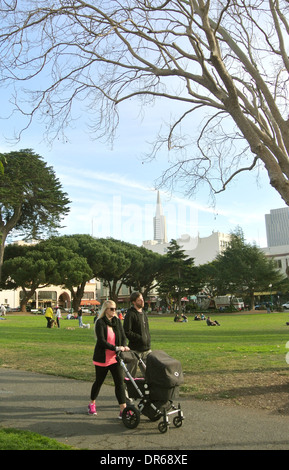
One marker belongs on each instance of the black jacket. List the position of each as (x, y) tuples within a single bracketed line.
[(101, 335), (136, 328)]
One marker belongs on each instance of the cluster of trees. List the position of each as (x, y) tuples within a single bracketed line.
[(72, 260), (33, 203)]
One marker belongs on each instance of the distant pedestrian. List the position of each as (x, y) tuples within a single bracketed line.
[(49, 317), (3, 310), (80, 318), (58, 316)]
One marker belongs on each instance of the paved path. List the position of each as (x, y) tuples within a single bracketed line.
[(57, 407)]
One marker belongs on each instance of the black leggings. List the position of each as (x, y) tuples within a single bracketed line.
[(118, 378)]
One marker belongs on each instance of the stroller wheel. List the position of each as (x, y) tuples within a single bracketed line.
[(162, 427), (131, 417), (178, 421)]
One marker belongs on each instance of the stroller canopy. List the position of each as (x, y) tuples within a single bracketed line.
[(163, 371)]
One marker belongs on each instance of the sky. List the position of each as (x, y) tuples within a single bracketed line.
[(112, 190)]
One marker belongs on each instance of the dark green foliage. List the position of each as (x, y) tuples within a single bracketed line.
[(32, 203)]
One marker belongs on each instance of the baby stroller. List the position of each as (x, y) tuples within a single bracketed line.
[(156, 390)]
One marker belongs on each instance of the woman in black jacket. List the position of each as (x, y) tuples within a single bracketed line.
[(110, 339)]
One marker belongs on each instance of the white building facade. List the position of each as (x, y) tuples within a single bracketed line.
[(203, 250), (280, 254), (56, 296)]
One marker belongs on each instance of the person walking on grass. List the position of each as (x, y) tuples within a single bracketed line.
[(58, 316), (49, 317), (79, 316)]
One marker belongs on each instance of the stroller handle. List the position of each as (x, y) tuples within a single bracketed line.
[(127, 356)]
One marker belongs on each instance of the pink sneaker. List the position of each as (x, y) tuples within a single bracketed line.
[(91, 409)]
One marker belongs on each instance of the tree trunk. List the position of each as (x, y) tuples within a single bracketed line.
[(26, 297), (77, 296), (114, 289), (2, 246), (252, 300), (4, 230)]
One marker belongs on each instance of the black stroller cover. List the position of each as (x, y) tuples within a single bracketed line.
[(163, 376)]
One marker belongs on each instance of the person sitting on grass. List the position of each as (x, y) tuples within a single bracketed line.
[(177, 318), (212, 322)]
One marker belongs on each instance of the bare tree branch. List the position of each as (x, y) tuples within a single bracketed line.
[(225, 62)]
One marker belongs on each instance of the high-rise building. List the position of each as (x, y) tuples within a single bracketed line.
[(277, 227), (160, 227)]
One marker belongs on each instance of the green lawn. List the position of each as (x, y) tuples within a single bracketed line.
[(242, 344), (14, 439)]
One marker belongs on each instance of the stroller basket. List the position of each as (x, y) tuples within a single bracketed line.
[(132, 390), (163, 394)]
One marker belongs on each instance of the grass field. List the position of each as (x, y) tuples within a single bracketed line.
[(15, 439), (246, 354)]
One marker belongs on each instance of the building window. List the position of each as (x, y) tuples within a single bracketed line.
[(47, 295), (278, 263), (88, 296)]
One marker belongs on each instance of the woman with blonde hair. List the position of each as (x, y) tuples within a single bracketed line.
[(110, 338)]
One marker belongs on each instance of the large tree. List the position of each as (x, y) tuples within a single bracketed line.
[(227, 61), (92, 255), (124, 261), (151, 269), (32, 202), (181, 276)]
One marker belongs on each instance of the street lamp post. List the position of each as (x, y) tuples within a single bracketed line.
[(270, 285)]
